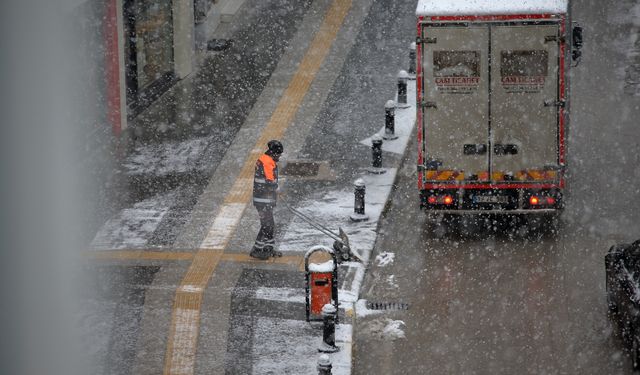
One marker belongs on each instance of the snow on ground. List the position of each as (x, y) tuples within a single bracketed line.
[(384, 329), (385, 258), (283, 346), (133, 227), (281, 294), (167, 157), (278, 342), (394, 329), (362, 310), (391, 281), (332, 210)]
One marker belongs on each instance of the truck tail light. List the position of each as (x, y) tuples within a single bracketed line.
[(447, 199), (432, 199), (535, 200)]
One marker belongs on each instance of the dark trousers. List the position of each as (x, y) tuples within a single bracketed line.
[(265, 240)]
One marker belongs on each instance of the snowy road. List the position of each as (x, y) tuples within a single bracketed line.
[(501, 302), (486, 303)]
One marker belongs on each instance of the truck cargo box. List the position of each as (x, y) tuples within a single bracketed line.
[(493, 102)]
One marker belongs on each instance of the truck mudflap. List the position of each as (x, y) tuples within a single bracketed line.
[(488, 200)]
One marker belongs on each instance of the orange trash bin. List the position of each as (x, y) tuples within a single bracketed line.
[(321, 281)]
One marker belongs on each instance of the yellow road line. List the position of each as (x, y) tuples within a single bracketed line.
[(185, 316), (138, 255), (294, 260), (185, 320)]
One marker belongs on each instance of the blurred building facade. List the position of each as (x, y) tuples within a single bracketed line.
[(139, 49), (126, 54)]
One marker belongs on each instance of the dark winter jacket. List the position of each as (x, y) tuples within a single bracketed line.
[(265, 181)]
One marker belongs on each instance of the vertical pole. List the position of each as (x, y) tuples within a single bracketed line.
[(359, 191), (403, 76), (390, 120), (376, 154), (324, 365), (328, 344), (412, 60)]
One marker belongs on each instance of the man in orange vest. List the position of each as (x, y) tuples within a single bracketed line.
[(265, 185)]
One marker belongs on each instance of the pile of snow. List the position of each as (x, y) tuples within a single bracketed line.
[(384, 329), (327, 266), (391, 281), (385, 258)]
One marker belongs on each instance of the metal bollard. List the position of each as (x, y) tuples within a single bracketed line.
[(376, 151), (412, 61), (390, 120), (324, 365), (328, 344), (403, 76), (359, 191)]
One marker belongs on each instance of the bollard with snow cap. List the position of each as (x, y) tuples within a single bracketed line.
[(390, 120), (321, 286), (376, 154), (412, 61), (324, 365), (359, 191), (329, 315), (403, 76)]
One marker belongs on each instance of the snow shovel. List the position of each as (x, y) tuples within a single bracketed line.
[(341, 240)]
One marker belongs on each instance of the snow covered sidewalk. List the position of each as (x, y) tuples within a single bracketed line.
[(288, 346)]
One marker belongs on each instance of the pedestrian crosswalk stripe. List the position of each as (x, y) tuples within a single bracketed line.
[(225, 222)]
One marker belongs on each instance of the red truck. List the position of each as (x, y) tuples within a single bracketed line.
[(493, 104)]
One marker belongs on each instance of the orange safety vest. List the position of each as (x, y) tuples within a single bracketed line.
[(265, 181)]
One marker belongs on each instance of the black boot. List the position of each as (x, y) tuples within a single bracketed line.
[(257, 253), (272, 252)]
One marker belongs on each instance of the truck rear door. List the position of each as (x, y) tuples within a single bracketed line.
[(455, 104), (490, 104), (524, 102)]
